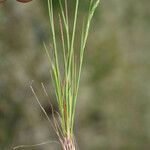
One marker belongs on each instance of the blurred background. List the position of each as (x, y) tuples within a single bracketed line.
[(113, 111)]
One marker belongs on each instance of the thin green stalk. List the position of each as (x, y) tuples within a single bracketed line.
[(66, 84), (67, 89), (84, 35)]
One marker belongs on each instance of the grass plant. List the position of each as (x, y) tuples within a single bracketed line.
[(66, 81), (66, 85)]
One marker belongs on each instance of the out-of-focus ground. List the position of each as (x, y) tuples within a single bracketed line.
[(113, 111)]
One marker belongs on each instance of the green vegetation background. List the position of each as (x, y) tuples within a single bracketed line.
[(113, 111)]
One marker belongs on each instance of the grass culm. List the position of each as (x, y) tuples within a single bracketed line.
[(66, 79)]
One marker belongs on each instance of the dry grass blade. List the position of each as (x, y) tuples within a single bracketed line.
[(35, 145)]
